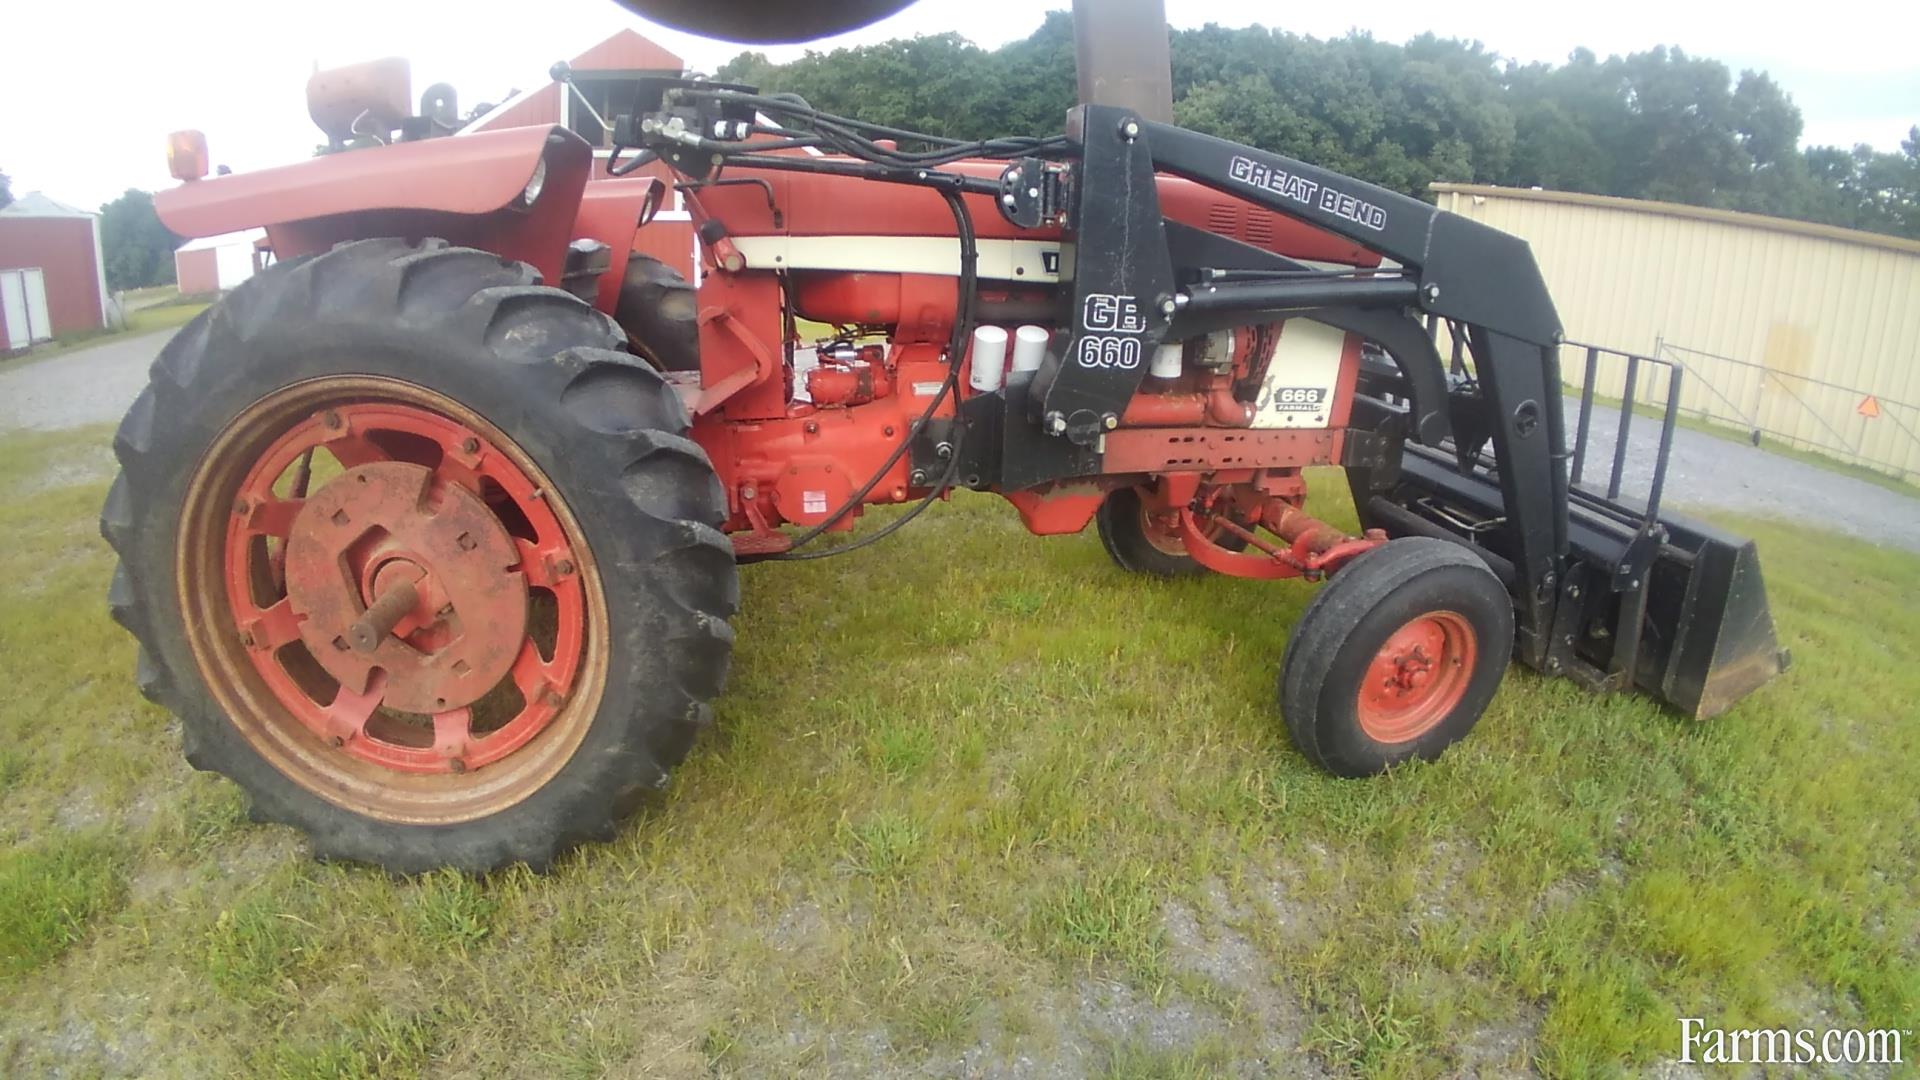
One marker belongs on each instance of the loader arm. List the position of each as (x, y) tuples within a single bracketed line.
[(1580, 571), (1449, 267)]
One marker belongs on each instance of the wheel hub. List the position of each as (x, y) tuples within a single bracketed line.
[(389, 530), (1417, 677), (1411, 669)]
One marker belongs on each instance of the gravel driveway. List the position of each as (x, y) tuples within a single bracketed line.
[(1709, 471), (95, 385)]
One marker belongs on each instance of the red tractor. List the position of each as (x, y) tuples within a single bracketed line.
[(429, 532)]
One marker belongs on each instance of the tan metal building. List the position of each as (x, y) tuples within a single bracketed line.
[(1805, 333)]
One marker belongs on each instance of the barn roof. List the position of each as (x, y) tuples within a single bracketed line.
[(35, 204), (627, 51), (624, 51)]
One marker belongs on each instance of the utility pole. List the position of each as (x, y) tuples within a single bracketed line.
[(1120, 54)]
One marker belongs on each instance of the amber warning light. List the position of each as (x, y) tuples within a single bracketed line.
[(187, 155)]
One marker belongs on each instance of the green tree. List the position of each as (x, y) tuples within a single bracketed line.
[(1660, 124), (1865, 189), (138, 249), (1570, 123), (6, 190)]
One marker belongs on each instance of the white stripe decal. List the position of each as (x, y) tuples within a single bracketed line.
[(1000, 260)]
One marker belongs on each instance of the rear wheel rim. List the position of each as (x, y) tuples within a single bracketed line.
[(487, 683), (1417, 677)]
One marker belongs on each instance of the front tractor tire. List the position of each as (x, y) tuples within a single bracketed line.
[(1396, 657), (658, 310), (420, 559), (1141, 541)]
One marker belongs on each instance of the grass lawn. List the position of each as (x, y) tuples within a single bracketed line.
[(979, 803)]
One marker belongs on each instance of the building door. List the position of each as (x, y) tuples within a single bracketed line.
[(23, 307), (39, 323), (13, 309)]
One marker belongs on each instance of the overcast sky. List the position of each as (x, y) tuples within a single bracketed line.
[(89, 89)]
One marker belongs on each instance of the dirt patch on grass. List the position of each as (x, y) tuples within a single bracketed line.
[(1504, 1047), (111, 1044), (80, 810), (262, 850), (1212, 944), (85, 465)]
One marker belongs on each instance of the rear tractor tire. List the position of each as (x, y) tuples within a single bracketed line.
[(420, 559), (1396, 657)]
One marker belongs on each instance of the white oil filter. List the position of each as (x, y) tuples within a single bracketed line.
[(989, 358), (1166, 361), (1030, 347)]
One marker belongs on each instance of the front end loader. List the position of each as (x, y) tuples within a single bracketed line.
[(429, 533)]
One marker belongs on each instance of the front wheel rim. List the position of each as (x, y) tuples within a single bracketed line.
[(1417, 677), (484, 686)]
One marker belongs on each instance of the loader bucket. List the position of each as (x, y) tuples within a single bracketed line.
[(1709, 640), (1651, 601)]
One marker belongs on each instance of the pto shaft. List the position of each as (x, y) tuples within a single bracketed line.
[(380, 619)]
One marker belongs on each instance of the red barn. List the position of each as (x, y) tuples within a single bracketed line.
[(63, 245), (606, 75)]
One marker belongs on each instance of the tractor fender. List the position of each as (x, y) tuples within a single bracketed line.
[(613, 211), (467, 189)]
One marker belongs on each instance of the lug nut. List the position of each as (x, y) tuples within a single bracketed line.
[(564, 567), (330, 419), (469, 445)]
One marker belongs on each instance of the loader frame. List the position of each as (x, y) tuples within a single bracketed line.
[(1580, 567)]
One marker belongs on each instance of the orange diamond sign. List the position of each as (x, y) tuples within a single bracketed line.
[(1869, 407)]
